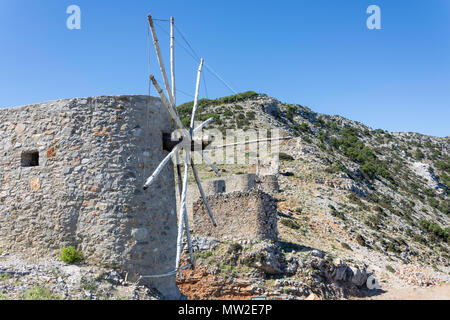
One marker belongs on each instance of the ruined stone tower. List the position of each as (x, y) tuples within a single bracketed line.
[(71, 173)]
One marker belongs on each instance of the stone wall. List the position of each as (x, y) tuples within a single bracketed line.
[(71, 173), (250, 215), (243, 182), (240, 182), (211, 187), (269, 184)]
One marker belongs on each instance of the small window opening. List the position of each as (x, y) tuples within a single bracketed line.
[(168, 142), (30, 159)]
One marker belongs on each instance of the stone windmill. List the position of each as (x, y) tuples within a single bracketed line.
[(186, 144)]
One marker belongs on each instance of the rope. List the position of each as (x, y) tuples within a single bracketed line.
[(208, 67), (196, 57), (177, 42), (186, 94), (187, 42), (171, 273), (219, 78), (206, 88)]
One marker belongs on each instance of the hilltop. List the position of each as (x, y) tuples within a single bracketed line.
[(362, 195)]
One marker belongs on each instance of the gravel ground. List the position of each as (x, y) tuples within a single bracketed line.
[(50, 279), (433, 293)]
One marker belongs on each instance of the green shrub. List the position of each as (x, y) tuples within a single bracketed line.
[(70, 255), (40, 293), (346, 246), (203, 255), (290, 113), (3, 297), (418, 155), (286, 157), (186, 121), (186, 108), (4, 276), (433, 202), (436, 232), (361, 241), (355, 150), (290, 224), (445, 179), (339, 167), (443, 165), (336, 213), (236, 98), (319, 122), (228, 114), (390, 269), (304, 127), (234, 247), (251, 115)]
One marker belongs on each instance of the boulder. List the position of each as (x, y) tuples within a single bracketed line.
[(266, 257), (360, 277)]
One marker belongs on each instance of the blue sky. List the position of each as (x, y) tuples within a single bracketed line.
[(315, 53)]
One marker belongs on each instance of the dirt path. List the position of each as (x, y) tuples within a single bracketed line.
[(433, 293)]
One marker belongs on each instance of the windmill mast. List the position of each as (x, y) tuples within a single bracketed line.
[(170, 103), (160, 60)]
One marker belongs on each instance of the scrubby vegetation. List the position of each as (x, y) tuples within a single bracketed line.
[(355, 150), (40, 293), (290, 224), (185, 110), (435, 231), (3, 297), (346, 246), (70, 255), (390, 269), (285, 157)]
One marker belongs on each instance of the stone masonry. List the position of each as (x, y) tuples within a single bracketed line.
[(71, 173), (242, 183), (249, 215)]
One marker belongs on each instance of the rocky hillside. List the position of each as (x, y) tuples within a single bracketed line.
[(361, 195), (354, 203)]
